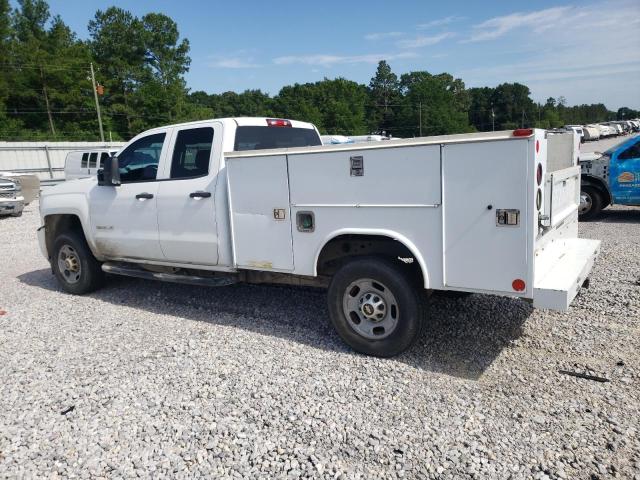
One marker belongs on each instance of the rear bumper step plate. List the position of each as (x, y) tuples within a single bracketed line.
[(561, 268)]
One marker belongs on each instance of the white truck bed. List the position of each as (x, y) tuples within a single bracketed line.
[(440, 197)]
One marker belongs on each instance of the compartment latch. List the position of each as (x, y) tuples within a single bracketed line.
[(507, 217)]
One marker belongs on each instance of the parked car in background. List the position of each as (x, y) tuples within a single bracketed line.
[(608, 178), (578, 129), (11, 199), (16, 191), (591, 133), (82, 164)]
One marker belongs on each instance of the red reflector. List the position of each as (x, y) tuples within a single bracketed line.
[(518, 285), (277, 122), (537, 146), (523, 132), (539, 174)]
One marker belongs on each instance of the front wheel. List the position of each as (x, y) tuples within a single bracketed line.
[(375, 307), (74, 265), (591, 203)]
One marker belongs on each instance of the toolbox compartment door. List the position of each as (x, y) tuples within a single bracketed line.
[(482, 180), (260, 212)]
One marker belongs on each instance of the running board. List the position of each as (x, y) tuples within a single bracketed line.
[(132, 271)]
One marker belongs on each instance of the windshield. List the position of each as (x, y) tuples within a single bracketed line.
[(261, 138), (627, 143)]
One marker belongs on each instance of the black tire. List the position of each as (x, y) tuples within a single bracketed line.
[(19, 214), (89, 276), (406, 294), (593, 203)]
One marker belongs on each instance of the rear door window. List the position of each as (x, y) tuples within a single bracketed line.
[(261, 138), (191, 153)]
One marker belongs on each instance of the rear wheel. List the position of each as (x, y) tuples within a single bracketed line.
[(375, 307), (74, 265), (591, 203)]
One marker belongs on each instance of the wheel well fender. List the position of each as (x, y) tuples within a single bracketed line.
[(58, 223), (600, 184), (347, 243)]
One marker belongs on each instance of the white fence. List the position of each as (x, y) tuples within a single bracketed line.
[(45, 159)]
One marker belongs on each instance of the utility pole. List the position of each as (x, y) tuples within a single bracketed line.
[(95, 96), (46, 101), (420, 116), (522, 124), (493, 120)]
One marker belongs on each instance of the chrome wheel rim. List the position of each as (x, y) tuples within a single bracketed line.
[(585, 203), (69, 264), (370, 308)]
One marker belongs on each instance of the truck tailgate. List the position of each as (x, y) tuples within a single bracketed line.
[(560, 270)]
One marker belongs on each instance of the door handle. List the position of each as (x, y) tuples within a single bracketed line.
[(144, 196), (200, 194)]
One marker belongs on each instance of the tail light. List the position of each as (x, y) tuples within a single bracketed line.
[(278, 122), (518, 285), (523, 132)]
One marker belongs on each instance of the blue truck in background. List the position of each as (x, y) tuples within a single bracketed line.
[(612, 177)]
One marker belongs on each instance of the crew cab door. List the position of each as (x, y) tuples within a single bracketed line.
[(186, 207), (124, 218), (625, 175)]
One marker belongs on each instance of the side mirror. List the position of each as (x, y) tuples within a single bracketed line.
[(110, 173)]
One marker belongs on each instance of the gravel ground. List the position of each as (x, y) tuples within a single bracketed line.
[(159, 380)]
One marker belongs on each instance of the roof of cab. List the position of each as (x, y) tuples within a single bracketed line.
[(238, 121)]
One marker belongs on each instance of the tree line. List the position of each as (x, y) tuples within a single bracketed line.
[(140, 62)]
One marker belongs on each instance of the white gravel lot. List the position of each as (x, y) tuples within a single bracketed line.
[(159, 380)]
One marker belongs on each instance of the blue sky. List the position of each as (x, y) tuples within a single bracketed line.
[(586, 51)]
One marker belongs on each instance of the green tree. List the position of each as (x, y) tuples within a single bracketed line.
[(334, 106), (384, 95), (47, 75), (433, 105), (5, 59)]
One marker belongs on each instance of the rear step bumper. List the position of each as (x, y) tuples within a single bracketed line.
[(561, 269), (133, 271)]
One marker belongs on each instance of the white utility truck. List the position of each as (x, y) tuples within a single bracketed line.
[(82, 164), (380, 224)]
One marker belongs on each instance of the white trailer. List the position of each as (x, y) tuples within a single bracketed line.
[(381, 224)]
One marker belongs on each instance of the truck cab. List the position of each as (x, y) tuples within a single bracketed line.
[(612, 177)]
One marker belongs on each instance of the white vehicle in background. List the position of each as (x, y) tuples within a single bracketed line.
[(591, 133), (381, 224), (342, 139), (335, 139), (578, 129), (86, 163), (606, 131), (16, 191)]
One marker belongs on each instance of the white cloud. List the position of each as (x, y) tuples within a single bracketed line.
[(537, 21), (589, 55), (439, 22), (326, 60), (382, 35), (238, 59), (424, 41)]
